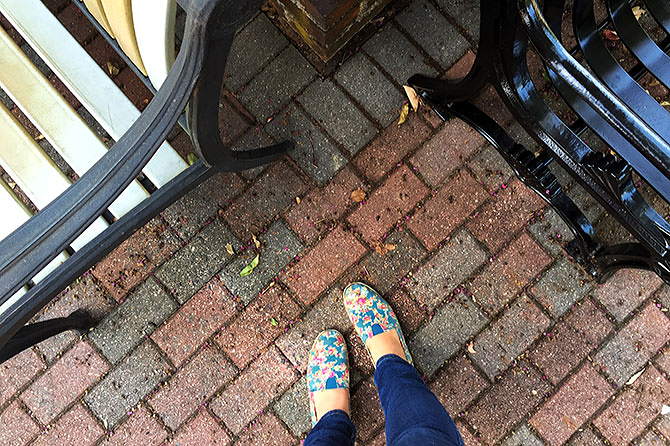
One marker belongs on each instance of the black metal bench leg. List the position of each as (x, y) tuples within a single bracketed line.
[(35, 333)]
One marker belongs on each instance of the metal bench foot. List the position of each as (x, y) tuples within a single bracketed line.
[(33, 334)]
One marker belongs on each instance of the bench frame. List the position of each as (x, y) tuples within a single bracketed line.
[(506, 28), (195, 79)]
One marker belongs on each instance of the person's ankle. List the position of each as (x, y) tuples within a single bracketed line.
[(331, 399), (387, 343)]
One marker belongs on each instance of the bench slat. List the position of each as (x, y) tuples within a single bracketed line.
[(34, 171), (154, 22), (14, 214), (96, 9), (85, 79), (56, 120), (120, 17)]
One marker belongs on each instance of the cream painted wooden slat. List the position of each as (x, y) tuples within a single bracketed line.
[(85, 79), (14, 214), (154, 22), (120, 17), (34, 172), (96, 9), (56, 120)]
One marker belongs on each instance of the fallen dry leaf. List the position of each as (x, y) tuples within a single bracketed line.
[(413, 97), (358, 195), (257, 244), (404, 112), (610, 35), (229, 249), (665, 103), (634, 377), (471, 348), (298, 200), (638, 12), (112, 69), (384, 248)]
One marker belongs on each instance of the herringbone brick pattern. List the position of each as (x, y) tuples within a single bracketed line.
[(520, 345)]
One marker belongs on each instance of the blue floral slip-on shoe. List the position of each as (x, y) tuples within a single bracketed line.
[(327, 367), (371, 314)]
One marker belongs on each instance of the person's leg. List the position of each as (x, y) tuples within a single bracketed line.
[(328, 389), (334, 428), (412, 411), (413, 414)]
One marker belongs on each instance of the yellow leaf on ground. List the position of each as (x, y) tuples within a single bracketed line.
[(229, 249), (358, 195), (638, 12), (413, 97), (112, 69), (257, 244), (665, 103), (404, 112), (384, 248)]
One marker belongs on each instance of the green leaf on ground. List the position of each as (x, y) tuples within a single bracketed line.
[(250, 267)]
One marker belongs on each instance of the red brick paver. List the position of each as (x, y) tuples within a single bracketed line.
[(318, 210), (191, 386), (141, 429), (387, 205), (570, 407), (258, 325), (77, 426), (16, 427), (17, 372), (267, 430), (322, 265), (201, 430), (509, 272), (68, 378), (132, 261), (391, 146), (197, 320), (447, 209), (250, 393), (631, 411)]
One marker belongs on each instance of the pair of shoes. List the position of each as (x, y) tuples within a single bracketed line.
[(328, 364)]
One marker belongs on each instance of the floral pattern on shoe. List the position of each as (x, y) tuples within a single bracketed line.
[(327, 367), (371, 315)]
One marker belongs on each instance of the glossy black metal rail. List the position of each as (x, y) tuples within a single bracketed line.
[(195, 79), (607, 99)]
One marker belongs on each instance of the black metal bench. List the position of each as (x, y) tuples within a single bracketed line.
[(617, 146), (194, 79)]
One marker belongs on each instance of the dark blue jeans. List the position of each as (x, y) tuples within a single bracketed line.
[(414, 416)]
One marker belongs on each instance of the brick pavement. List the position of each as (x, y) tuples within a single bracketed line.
[(516, 341)]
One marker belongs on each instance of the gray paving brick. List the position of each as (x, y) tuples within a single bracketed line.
[(551, 232), (433, 32), (452, 265), (83, 294), (382, 272), (188, 214), (522, 436), (587, 438), (453, 324), (365, 82), (465, 12), (127, 384), (327, 313), (255, 45), (196, 262), (129, 323), (564, 284), (505, 339), (254, 138), (338, 115), (279, 246), (313, 152), (277, 83), (397, 55), (491, 169), (293, 408)]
